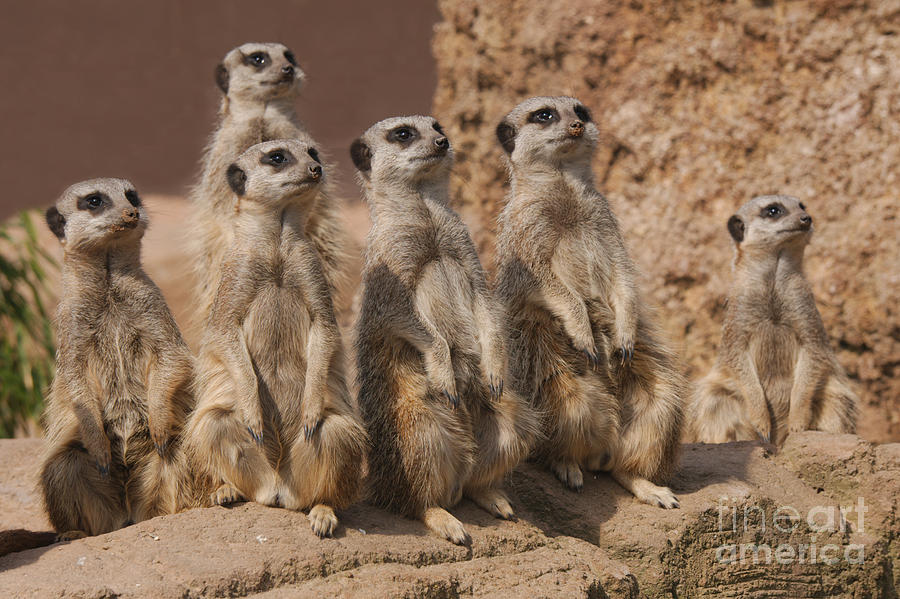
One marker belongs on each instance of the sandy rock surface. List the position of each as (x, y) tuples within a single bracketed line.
[(702, 106), (598, 543)]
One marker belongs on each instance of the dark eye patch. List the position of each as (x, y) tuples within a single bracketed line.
[(289, 56), (95, 202), (437, 127), (402, 135), (543, 116), (774, 211), (314, 154), (279, 158), (582, 113), (802, 207), (133, 198), (257, 59)]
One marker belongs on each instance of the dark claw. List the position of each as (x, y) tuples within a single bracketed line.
[(258, 438), (627, 353), (104, 470), (762, 437), (677, 505), (496, 390), (593, 359), (453, 399), (660, 504), (309, 431)]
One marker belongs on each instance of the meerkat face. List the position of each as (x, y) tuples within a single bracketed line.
[(98, 213), (408, 148), (548, 129), (259, 72), (771, 222), (277, 172)]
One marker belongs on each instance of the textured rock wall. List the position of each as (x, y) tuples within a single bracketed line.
[(702, 105)]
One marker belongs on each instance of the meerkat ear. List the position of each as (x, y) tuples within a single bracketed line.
[(222, 78), (361, 155), (237, 179), (56, 222), (506, 134), (736, 228)]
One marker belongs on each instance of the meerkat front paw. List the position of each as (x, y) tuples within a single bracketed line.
[(159, 435), (442, 523), (254, 422), (224, 495), (102, 455), (624, 344), (70, 535), (494, 501), (310, 419), (322, 520)]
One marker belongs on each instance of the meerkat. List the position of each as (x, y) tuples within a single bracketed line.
[(430, 352), (583, 346), (775, 371), (122, 388), (274, 421), (260, 84)]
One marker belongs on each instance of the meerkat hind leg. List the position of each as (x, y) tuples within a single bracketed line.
[(493, 500), (442, 523), (569, 474), (646, 491), (322, 520)]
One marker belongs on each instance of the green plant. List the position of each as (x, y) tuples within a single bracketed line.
[(27, 347)]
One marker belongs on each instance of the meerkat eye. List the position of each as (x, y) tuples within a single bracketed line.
[(276, 158), (133, 199), (582, 113), (772, 211), (257, 59), (437, 127), (543, 116), (314, 154), (289, 56), (402, 134), (92, 201)]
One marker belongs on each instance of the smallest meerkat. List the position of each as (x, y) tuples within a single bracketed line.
[(123, 372), (775, 372)]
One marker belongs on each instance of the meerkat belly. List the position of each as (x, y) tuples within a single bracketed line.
[(118, 369), (580, 263), (445, 296), (276, 330), (774, 349)]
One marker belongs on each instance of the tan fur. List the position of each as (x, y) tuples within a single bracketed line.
[(430, 353), (583, 346), (121, 392), (274, 422), (257, 106), (775, 372)]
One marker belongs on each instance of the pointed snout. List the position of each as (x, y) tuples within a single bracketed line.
[(315, 171), (805, 222), (442, 143), (576, 129)]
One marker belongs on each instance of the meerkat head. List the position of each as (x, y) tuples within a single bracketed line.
[(259, 72), (275, 173), (548, 129), (99, 213), (771, 223), (410, 149)]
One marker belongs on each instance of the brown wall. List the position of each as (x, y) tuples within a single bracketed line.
[(103, 88)]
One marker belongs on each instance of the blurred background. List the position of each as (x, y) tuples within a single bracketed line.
[(701, 106)]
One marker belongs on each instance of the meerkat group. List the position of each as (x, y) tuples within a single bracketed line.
[(457, 380)]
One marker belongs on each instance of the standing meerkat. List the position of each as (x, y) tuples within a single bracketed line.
[(121, 391), (775, 372), (274, 421), (583, 347), (430, 354), (260, 83)]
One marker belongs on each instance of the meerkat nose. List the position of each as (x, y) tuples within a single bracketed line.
[(805, 221), (315, 171), (442, 142), (288, 70), (576, 129)]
